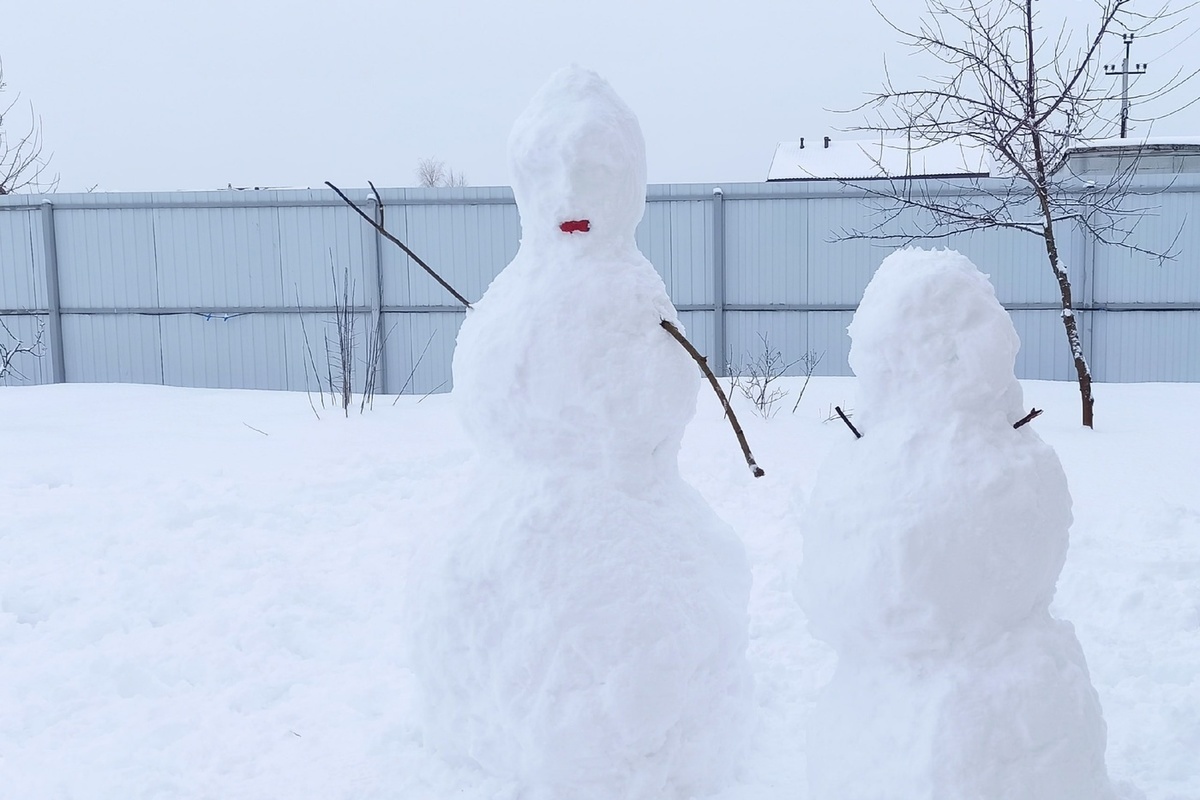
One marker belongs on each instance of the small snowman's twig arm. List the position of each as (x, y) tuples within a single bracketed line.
[(383, 231), (1033, 412), (846, 420), (672, 329)]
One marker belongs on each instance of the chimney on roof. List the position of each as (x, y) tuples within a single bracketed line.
[(826, 142), (801, 142)]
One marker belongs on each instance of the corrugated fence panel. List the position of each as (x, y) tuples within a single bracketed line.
[(1044, 354), (467, 245), (309, 351), (826, 338), (248, 351), (317, 247), (398, 270), (676, 236), (106, 258), (1147, 346), (219, 258), (22, 330), (765, 252), (1170, 225), (697, 325), (843, 255), (795, 335), (22, 270), (420, 351), (112, 348), (146, 279), (839, 269), (751, 335), (1016, 263)]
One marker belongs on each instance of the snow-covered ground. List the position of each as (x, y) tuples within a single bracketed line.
[(201, 592)]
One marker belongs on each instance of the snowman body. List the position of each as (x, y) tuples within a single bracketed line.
[(583, 632), (931, 553)]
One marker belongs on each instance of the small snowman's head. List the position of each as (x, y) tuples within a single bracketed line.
[(930, 339), (578, 161)]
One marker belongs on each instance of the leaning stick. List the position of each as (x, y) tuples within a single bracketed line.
[(383, 232), (700, 360), (668, 326)]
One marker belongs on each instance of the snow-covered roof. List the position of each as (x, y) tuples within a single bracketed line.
[(1156, 142), (1151, 154), (826, 158)]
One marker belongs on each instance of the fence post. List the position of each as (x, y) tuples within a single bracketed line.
[(377, 298), (54, 320), (718, 244)]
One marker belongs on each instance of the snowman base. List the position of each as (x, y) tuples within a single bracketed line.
[(1016, 719), (586, 641)]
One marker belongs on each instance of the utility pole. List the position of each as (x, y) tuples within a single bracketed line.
[(1125, 72)]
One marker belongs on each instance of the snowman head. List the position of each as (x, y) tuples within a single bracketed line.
[(578, 161), (930, 339)]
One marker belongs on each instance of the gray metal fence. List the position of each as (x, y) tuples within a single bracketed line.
[(236, 289)]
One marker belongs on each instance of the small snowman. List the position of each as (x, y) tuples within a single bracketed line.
[(932, 548), (583, 632)]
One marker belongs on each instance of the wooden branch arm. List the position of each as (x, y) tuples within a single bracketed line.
[(672, 329), (1033, 412), (846, 420), (383, 232)]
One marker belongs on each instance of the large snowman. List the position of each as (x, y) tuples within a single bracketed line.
[(931, 552), (583, 632)]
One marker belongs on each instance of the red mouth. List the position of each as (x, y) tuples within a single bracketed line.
[(575, 226)]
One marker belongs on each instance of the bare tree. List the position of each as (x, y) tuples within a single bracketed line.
[(433, 172), (758, 374), (1025, 90), (23, 163)]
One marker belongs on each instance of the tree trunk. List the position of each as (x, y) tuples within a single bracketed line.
[(1082, 371), (1041, 185)]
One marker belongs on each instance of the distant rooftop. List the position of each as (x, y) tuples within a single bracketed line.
[(826, 158), (1159, 142), (1154, 154)]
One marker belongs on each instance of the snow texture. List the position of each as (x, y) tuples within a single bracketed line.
[(931, 553), (584, 632), (192, 610)]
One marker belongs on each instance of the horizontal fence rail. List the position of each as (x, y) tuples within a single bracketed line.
[(239, 289)]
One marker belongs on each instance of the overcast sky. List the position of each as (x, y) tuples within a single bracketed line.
[(154, 95)]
